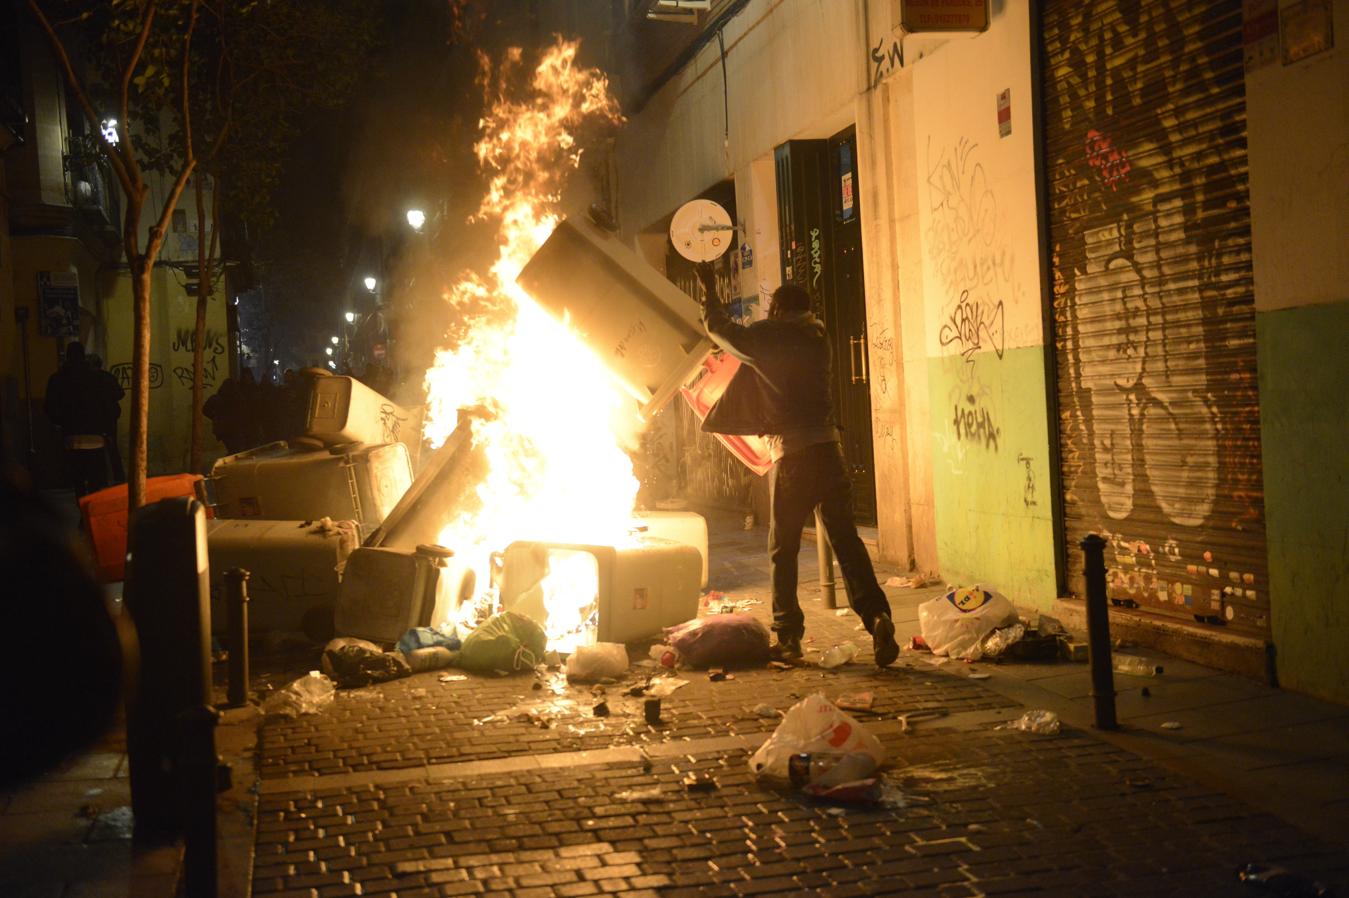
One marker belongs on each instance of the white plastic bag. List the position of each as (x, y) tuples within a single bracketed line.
[(598, 661), (307, 695), (813, 725), (954, 624)]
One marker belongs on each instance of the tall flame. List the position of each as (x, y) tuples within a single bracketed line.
[(554, 439)]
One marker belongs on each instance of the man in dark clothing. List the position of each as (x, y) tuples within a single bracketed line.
[(114, 392), (79, 404), (783, 391)]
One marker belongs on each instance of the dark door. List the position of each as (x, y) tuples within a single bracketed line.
[(821, 246)]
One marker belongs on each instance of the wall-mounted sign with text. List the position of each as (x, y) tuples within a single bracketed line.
[(943, 15)]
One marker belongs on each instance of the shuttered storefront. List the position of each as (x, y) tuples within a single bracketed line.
[(1159, 429)]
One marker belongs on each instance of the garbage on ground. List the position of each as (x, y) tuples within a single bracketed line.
[(452, 678), (600, 661), (655, 793), (506, 641), (430, 658), (307, 695), (843, 612), (1172, 725), (978, 675), (700, 782), (863, 791), (856, 701), (837, 656), (1282, 882), (651, 711), (828, 769), (906, 721), (716, 675), (1135, 666), (813, 726), (665, 686), (429, 637), (956, 623), (720, 640), (663, 655), (914, 581), (356, 662), (601, 709), (764, 709), (1040, 722), (1001, 639), (918, 644)]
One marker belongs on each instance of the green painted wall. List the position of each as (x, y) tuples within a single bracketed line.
[(990, 472), (1304, 425)]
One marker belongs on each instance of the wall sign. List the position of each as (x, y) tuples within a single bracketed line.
[(58, 303), (1305, 28), (1005, 112), (943, 15)]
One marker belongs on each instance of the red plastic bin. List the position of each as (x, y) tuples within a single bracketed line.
[(718, 369), (104, 515)]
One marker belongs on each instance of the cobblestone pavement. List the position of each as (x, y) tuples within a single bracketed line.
[(422, 787)]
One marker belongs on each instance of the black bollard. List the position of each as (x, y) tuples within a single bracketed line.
[(1098, 632), (825, 552), (236, 606)]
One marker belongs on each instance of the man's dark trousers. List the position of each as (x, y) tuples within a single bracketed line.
[(797, 483)]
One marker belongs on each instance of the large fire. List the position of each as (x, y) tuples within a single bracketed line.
[(557, 425)]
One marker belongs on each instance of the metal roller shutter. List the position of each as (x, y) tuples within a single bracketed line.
[(1159, 420)]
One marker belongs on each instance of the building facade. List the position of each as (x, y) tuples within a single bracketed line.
[(1084, 272)]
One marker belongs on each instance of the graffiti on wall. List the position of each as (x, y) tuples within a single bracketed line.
[(213, 353), (122, 371), (1153, 301)]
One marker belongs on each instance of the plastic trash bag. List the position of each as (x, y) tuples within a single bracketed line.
[(813, 726), (506, 641), (430, 658), (956, 623), (1001, 639), (307, 695), (603, 660), (720, 640), (356, 662), (429, 637)]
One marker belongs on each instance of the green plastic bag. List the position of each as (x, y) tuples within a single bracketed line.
[(506, 641)]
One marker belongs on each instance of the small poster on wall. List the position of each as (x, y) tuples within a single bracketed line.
[(58, 303), (1005, 112), (1305, 29)]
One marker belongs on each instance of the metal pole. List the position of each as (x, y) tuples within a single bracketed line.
[(236, 605), (826, 556), (1098, 632)]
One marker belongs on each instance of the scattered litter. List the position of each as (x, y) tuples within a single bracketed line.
[(956, 623), (1172, 725), (978, 675), (863, 791), (1135, 666), (307, 695), (433, 657), (766, 710), (837, 656), (651, 711), (115, 825), (914, 581), (749, 523), (828, 769), (1001, 639), (665, 686), (655, 793), (601, 709), (452, 678), (906, 721), (597, 662), (663, 655), (918, 644), (856, 701), (1282, 882), (429, 637), (836, 812), (813, 726), (720, 640), (1145, 692), (700, 782), (1039, 721), (780, 665), (843, 612), (716, 675)]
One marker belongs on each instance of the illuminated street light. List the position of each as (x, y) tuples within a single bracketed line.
[(351, 317), (416, 218), (108, 128), (370, 282), (332, 365), (328, 350), (334, 340), (276, 361)]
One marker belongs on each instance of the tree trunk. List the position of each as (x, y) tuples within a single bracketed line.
[(138, 456), (199, 336)]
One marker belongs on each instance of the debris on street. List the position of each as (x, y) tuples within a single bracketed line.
[(720, 640), (815, 727), (956, 623), (1172, 725), (307, 695), (700, 782), (1039, 721), (506, 641), (655, 793), (837, 656), (856, 701), (665, 686), (355, 662), (914, 581), (603, 660)]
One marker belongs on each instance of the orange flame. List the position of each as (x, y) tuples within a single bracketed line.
[(557, 470)]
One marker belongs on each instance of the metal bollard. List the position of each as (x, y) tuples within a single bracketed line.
[(826, 556), (1098, 632), (236, 606)]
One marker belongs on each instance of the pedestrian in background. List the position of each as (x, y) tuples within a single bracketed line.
[(115, 393), (783, 391), (80, 403)]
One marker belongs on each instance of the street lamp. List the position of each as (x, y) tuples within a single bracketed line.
[(334, 342), (351, 317), (416, 218), (328, 349), (370, 282)]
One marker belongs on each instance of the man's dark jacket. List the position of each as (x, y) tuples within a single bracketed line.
[(783, 382)]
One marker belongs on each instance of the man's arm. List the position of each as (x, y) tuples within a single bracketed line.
[(737, 339)]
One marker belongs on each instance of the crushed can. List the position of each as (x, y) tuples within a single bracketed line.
[(651, 707)]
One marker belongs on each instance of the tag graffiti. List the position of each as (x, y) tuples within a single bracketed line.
[(974, 424)]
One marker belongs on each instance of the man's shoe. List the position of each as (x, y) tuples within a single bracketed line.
[(788, 650), (883, 641)]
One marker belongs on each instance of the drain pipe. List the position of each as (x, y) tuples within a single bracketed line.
[(236, 606), (825, 552), (1098, 632)]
